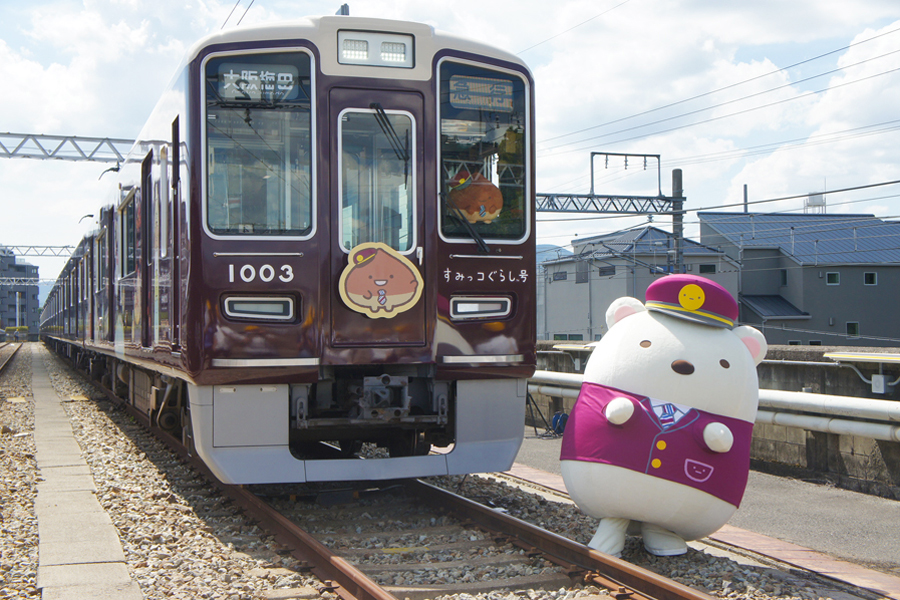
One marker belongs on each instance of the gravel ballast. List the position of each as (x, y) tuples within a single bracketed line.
[(182, 539)]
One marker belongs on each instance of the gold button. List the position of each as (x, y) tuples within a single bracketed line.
[(656, 463), (661, 444)]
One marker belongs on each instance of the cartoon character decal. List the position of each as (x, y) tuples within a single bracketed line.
[(475, 196), (379, 282)]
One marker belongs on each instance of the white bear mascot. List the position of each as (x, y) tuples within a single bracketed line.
[(660, 433)]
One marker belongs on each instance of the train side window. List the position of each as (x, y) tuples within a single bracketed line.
[(258, 124), (484, 121), (100, 264), (127, 240), (164, 195), (377, 185)]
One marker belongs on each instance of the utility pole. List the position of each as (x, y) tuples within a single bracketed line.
[(678, 219)]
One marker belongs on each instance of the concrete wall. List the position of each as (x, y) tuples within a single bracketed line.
[(862, 464), (761, 272), (570, 308)]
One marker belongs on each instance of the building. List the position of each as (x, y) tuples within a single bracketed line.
[(813, 279), (575, 291), (19, 303)]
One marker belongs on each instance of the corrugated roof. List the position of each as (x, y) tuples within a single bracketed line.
[(813, 238), (772, 307), (645, 240)]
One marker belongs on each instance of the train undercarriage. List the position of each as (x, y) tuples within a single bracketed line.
[(331, 430)]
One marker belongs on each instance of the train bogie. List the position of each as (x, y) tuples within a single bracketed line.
[(325, 233)]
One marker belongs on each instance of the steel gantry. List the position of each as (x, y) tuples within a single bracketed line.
[(63, 147), (41, 250), (627, 205), (594, 203), (11, 281), (605, 203)]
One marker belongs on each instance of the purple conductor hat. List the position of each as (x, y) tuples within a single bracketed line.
[(693, 298), (364, 255)]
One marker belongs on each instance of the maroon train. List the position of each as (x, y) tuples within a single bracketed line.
[(325, 233)]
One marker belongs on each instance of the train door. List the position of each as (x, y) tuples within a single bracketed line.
[(89, 287), (377, 220), (101, 302), (175, 228)]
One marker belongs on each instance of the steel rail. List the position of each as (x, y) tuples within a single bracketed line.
[(626, 581), (337, 575), (623, 578), (7, 359)]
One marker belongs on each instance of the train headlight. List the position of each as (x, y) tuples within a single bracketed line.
[(261, 307), (479, 307), (375, 49), (355, 50)]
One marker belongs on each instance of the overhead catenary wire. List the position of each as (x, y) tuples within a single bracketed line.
[(622, 276), (706, 121), (245, 12), (865, 220), (553, 37), (233, 8), (853, 133), (721, 89), (732, 204)]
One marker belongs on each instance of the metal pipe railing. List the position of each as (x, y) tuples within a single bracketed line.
[(875, 416), (868, 429)]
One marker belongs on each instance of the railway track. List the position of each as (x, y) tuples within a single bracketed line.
[(429, 542), (7, 352), (390, 540), (433, 532)]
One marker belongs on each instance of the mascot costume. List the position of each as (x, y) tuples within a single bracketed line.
[(659, 438)]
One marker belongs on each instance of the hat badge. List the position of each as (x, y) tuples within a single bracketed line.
[(691, 297)]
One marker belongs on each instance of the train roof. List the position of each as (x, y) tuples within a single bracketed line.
[(323, 31)]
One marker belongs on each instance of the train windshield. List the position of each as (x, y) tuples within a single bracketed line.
[(258, 145), (377, 178), (483, 115)]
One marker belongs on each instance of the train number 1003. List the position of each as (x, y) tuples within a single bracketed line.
[(266, 273)]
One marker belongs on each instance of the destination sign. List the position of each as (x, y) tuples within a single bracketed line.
[(481, 92), (248, 82)]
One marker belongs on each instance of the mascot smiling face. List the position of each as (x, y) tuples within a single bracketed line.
[(379, 282), (660, 434)]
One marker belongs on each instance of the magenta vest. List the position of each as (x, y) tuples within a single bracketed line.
[(655, 445)]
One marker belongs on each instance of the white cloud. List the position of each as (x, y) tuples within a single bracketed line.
[(97, 67)]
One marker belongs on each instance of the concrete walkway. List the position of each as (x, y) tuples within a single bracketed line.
[(80, 554)]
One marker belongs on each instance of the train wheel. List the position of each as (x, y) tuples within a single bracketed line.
[(350, 447), (408, 444), (168, 421)]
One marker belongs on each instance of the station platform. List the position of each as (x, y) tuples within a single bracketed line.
[(80, 556), (538, 461)]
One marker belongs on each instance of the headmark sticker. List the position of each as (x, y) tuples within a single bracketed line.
[(379, 282)]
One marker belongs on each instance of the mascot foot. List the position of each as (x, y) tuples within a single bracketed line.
[(610, 536), (662, 542)]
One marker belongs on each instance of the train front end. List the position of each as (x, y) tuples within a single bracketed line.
[(361, 290)]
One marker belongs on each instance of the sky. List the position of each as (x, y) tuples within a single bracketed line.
[(787, 98)]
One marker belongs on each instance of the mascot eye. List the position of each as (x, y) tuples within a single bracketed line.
[(725, 364), (645, 344)]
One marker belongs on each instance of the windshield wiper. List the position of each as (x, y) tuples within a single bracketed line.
[(456, 213), (401, 150)]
